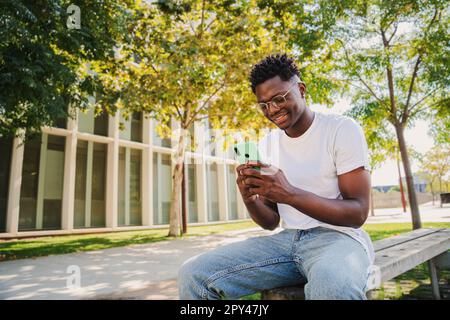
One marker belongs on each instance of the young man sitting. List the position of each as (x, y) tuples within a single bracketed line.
[(317, 183)]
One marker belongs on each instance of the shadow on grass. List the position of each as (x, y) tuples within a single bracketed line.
[(38, 248)]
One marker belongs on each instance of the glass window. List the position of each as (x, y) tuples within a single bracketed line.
[(156, 213), (132, 127), (88, 122), (136, 127), (90, 182), (29, 185), (157, 140), (121, 195), (135, 187), (101, 124), (61, 122), (213, 193), (211, 139), (42, 183), (232, 193), (162, 187), (53, 183), (130, 203), (192, 193), (5, 169), (98, 204), (80, 185)]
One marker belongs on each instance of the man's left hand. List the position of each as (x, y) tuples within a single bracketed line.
[(269, 182)]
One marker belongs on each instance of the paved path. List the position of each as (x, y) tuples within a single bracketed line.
[(428, 213), (146, 271)]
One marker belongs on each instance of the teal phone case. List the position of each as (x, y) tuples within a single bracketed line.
[(246, 151)]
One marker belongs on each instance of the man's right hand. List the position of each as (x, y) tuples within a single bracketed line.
[(247, 196)]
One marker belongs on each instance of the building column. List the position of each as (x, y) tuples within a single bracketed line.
[(147, 173), (112, 179), (15, 182), (70, 160), (222, 190), (241, 209)]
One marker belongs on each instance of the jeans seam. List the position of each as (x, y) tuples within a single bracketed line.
[(238, 268), (295, 239)]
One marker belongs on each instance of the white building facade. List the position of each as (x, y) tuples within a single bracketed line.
[(88, 176)]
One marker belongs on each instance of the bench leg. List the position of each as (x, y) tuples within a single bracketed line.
[(434, 280)]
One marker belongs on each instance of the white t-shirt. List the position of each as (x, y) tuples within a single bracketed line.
[(332, 145)]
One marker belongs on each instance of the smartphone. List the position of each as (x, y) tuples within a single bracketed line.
[(247, 151)]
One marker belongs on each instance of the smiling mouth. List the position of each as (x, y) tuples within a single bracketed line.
[(280, 117)]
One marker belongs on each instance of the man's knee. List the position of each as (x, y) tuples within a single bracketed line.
[(189, 279), (327, 284), (193, 277)]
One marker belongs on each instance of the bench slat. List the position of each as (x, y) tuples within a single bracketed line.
[(405, 256), (393, 241)]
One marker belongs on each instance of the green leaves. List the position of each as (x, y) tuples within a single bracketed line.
[(41, 59)]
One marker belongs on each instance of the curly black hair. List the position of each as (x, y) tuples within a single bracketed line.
[(271, 66)]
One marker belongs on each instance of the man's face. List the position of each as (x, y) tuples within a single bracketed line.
[(286, 115)]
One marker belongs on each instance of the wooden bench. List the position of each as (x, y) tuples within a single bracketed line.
[(445, 198), (394, 256)]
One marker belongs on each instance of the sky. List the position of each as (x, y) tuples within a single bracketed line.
[(417, 137)]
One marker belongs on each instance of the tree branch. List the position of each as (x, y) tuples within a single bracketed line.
[(393, 33), (209, 24), (422, 99), (359, 76), (192, 28), (154, 69), (205, 102), (406, 110), (178, 111), (390, 79), (410, 90), (202, 20)]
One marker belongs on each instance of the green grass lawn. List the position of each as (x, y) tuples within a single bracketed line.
[(413, 284)]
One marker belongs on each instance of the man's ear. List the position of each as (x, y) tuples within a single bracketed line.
[(302, 88)]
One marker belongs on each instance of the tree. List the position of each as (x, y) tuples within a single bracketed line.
[(43, 63), (394, 57), (437, 165), (378, 142), (431, 182), (188, 61)]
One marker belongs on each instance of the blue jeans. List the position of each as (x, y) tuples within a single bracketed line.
[(332, 264)]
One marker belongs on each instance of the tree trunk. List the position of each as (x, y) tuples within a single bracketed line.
[(415, 214), (440, 189), (432, 192), (402, 191), (174, 217)]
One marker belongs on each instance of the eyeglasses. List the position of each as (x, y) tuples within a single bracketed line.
[(277, 101)]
